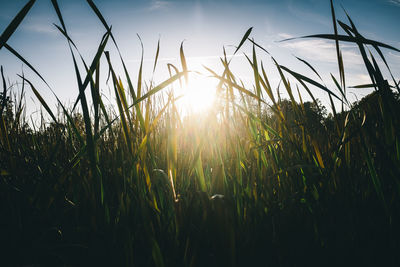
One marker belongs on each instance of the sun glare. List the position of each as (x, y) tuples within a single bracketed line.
[(198, 94)]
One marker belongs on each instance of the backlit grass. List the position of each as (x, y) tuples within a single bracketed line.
[(253, 180)]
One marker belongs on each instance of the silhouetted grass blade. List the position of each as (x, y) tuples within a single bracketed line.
[(4, 95), (245, 36), (15, 23), (9, 48), (308, 80), (39, 97), (183, 62), (157, 54), (310, 66)]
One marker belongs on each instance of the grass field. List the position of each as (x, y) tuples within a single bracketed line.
[(255, 180)]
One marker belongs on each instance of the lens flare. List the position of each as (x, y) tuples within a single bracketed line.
[(198, 94)]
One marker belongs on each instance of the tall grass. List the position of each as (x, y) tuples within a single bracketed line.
[(256, 180)]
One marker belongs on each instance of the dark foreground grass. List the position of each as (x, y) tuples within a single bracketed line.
[(256, 181)]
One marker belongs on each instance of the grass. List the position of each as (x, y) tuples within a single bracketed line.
[(257, 180)]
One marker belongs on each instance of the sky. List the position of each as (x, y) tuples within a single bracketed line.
[(205, 26)]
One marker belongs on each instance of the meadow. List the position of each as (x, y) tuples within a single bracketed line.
[(255, 180)]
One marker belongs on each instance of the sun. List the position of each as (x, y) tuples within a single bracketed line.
[(198, 94)]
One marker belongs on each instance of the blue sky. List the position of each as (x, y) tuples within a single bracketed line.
[(205, 25)]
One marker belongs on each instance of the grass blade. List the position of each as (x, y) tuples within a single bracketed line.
[(308, 80), (245, 36), (37, 94), (15, 23), (157, 53), (183, 62), (158, 88)]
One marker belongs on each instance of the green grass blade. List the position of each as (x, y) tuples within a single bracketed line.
[(256, 74), (235, 85), (338, 53), (159, 87), (93, 65)]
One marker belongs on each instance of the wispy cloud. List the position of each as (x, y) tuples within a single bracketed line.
[(158, 4), (358, 79), (40, 28), (283, 35), (193, 58), (321, 50), (395, 2), (394, 55)]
